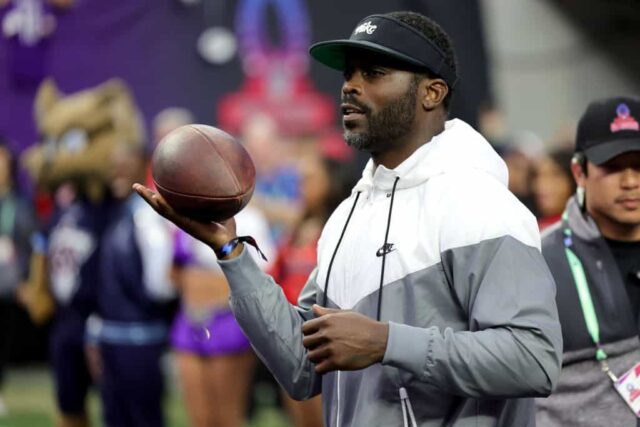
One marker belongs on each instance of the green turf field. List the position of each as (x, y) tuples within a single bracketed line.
[(29, 398)]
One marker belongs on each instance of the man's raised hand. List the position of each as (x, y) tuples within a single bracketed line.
[(213, 234)]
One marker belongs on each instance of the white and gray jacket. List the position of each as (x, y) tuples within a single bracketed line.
[(443, 252)]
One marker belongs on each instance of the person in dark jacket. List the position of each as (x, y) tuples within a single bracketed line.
[(135, 301), (71, 246), (594, 255)]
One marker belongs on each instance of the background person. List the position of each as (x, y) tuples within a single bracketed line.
[(276, 192), (134, 301), (520, 165), (552, 185), (214, 357), (594, 252), (78, 133), (17, 223)]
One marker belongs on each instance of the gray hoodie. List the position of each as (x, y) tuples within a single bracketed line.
[(443, 252), (584, 395)]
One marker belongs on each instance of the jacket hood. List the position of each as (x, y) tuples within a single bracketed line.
[(581, 223), (458, 147)]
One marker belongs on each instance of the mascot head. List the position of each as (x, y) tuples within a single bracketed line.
[(78, 134)]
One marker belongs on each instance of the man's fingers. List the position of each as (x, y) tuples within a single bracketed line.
[(311, 326), (319, 310), (146, 194), (313, 340), (325, 366), (211, 233), (155, 200), (158, 203), (319, 354)]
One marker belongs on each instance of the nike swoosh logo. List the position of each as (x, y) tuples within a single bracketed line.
[(385, 249)]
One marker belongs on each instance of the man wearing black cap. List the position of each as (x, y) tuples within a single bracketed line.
[(442, 309), (594, 255)]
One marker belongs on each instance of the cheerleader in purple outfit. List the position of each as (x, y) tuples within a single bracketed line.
[(214, 358)]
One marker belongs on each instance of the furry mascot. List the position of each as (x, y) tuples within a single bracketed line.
[(79, 133)]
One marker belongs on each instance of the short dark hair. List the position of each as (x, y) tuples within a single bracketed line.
[(434, 32)]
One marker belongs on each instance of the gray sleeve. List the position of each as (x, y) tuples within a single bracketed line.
[(273, 326), (513, 346)]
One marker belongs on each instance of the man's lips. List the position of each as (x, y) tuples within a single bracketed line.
[(630, 203), (351, 112)]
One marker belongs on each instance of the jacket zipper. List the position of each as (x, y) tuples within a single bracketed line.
[(338, 405)]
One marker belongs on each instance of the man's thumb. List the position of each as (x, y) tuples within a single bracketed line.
[(318, 310)]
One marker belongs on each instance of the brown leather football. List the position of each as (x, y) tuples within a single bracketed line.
[(203, 172)]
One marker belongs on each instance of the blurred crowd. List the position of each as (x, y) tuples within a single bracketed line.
[(117, 287), (539, 171)]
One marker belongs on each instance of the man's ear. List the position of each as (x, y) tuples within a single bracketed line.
[(432, 92), (578, 173)]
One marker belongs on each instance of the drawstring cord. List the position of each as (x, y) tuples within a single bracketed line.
[(384, 251), (406, 408), (404, 398), (326, 289), (335, 251)]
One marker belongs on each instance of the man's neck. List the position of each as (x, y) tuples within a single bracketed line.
[(617, 231), (403, 149)]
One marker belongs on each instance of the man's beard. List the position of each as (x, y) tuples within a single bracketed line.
[(389, 124)]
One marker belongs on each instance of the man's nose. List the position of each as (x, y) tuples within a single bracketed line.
[(630, 178), (352, 85)]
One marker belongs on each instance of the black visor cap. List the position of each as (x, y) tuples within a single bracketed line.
[(388, 37)]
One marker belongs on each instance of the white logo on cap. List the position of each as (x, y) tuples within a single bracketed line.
[(365, 28)]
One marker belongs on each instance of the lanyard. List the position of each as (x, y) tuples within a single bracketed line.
[(7, 216), (586, 302)]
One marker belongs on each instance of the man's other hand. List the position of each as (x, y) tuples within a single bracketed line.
[(343, 340)]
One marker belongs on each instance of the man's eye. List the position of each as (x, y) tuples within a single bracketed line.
[(613, 168), (373, 73)]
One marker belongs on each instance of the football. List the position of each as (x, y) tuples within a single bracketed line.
[(203, 172)]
